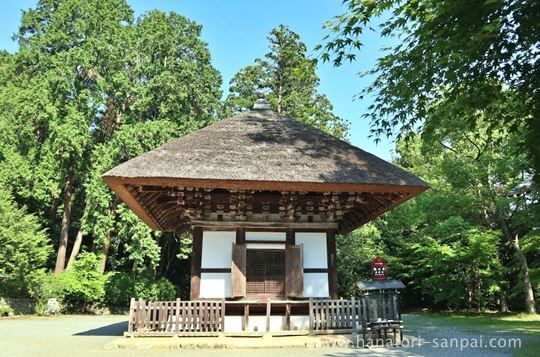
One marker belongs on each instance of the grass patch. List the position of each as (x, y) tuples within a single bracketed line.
[(517, 324), (523, 323)]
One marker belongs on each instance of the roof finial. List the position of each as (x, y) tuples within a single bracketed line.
[(261, 102)]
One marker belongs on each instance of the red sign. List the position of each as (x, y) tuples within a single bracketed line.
[(378, 268)]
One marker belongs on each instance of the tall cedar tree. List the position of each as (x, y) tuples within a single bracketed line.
[(289, 78), (84, 72)]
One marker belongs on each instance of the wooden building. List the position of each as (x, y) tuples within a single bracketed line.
[(264, 196)]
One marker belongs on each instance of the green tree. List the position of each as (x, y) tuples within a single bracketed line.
[(466, 217), (355, 252), (465, 55), (85, 72), (289, 78), (24, 247)]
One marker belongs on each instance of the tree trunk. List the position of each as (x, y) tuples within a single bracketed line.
[(134, 268), (503, 304), (76, 248), (279, 99), (66, 220), (105, 253), (523, 265), (78, 239), (527, 286)]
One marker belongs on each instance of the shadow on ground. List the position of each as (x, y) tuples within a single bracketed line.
[(116, 329)]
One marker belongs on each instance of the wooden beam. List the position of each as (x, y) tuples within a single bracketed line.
[(196, 257), (267, 185), (378, 212), (331, 261), (291, 225), (134, 204)]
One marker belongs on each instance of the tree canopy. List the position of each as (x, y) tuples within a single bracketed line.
[(91, 86), (464, 56), (288, 77)]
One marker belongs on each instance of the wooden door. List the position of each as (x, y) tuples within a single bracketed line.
[(265, 272), (294, 271), (238, 270)]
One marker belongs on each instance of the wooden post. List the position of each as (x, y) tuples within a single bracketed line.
[(196, 257), (287, 317), (331, 256), (222, 317), (310, 316), (177, 314), (245, 319), (290, 239), (131, 314), (268, 314), (240, 235), (354, 316)]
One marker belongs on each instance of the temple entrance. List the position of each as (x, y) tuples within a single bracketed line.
[(265, 272)]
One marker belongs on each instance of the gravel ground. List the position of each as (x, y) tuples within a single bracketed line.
[(89, 336)]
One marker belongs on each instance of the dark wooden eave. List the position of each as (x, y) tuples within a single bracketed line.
[(174, 205)]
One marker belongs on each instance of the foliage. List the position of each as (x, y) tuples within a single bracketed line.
[(121, 287), (89, 88), (355, 252), (453, 244), (288, 77), (465, 56), (24, 247), (6, 311), (459, 273), (79, 290)]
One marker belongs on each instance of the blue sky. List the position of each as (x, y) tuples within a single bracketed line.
[(236, 32)]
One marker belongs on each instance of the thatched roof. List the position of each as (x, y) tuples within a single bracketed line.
[(260, 166), (260, 146)]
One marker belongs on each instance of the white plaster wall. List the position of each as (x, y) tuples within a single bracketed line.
[(215, 285), (278, 236), (217, 249), (299, 322), (264, 246), (277, 323), (316, 285), (233, 323), (314, 249), (259, 322)]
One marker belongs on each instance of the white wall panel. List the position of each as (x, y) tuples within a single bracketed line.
[(217, 249), (215, 285), (278, 236), (314, 249), (264, 246), (316, 285)]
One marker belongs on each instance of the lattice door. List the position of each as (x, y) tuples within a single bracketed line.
[(265, 272)]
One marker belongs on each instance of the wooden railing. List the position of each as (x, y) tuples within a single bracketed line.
[(182, 318), (207, 317), (327, 316)]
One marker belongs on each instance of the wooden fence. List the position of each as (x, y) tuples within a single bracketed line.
[(170, 318), (333, 316), (371, 314)]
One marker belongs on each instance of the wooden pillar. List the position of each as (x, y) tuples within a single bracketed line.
[(331, 255), (290, 237), (268, 314), (196, 257), (240, 235)]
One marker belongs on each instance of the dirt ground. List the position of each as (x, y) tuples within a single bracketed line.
[(80, 335)]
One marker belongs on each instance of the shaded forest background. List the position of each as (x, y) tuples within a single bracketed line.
[(91, 87)]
